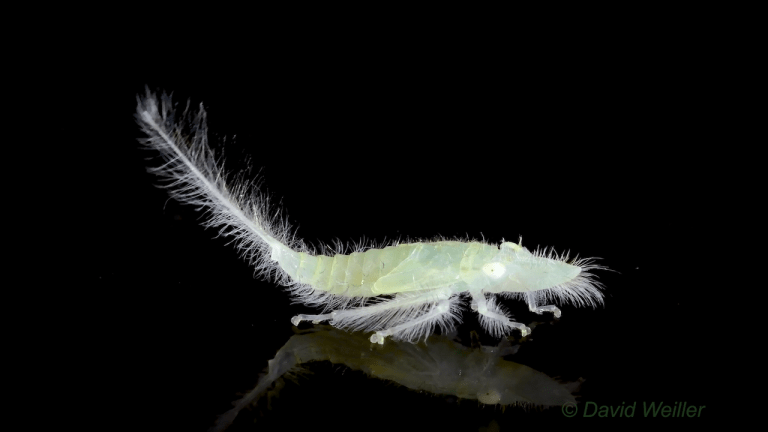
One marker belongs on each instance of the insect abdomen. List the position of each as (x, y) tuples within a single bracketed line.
[(350, 275)]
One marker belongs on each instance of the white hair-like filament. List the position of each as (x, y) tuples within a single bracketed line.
[(193, 175)]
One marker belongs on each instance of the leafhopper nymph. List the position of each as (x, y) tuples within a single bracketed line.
[(402, 290)]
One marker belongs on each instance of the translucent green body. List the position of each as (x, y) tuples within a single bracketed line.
[(393, 269), (412, 267)]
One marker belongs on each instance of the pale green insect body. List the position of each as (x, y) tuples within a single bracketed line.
[(428, 281), (403, 290), (424, 266)]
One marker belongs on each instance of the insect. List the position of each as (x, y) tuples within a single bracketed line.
[(402, 291)]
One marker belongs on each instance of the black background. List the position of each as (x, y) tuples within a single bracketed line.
[(596, 152)]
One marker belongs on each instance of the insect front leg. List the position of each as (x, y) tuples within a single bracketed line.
[(531, 298), (492, 318)]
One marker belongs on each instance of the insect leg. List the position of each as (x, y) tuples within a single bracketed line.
[(438, 310), (314, 318), (531, 298), (352, 317), (493, 318)]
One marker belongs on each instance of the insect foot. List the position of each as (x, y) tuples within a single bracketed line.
[(541, 309), (524, 329), (378, 338)]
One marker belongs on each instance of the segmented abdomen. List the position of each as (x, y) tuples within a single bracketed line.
[(393, 269), (348, 275)]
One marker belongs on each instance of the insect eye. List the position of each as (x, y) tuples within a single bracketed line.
[(495, 270)]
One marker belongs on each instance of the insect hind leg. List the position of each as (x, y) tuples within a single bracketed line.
[(342, 315), (415, 328), (316, 319), (532, 306)]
